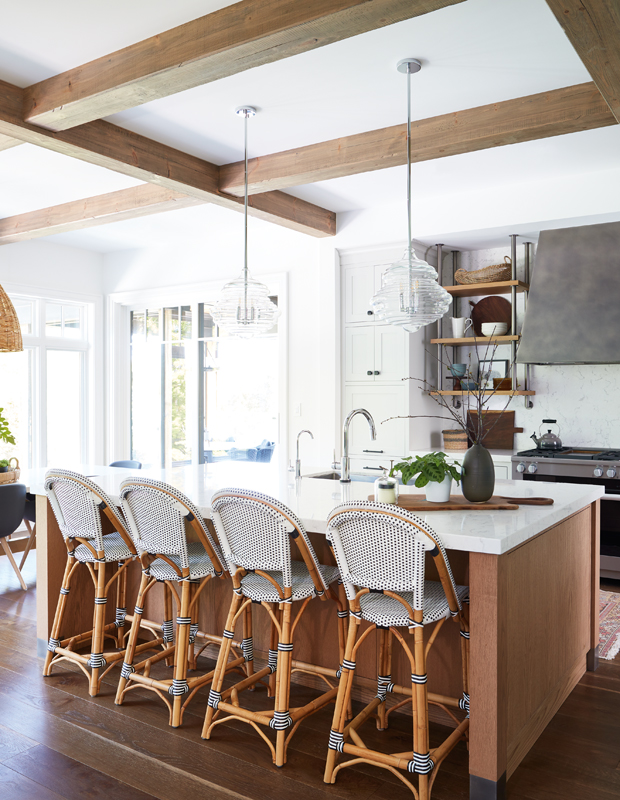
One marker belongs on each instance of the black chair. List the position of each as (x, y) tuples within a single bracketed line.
[(127, 464), (12, 512)]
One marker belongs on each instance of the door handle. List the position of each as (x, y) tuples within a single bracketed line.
[(375, 468), (369, 372), (372, 451), (376, 372)]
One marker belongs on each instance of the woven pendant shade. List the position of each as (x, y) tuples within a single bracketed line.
[(10, 331)]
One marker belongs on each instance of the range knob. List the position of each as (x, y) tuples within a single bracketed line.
[(521, 467), (532, 468), (611, 473), (598, 472)]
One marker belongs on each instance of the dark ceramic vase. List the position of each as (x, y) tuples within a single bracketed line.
[(478, 479)]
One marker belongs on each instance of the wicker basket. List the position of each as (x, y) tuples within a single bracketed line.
[(10, 331), (492, 274), (455, 439), (12, 475)]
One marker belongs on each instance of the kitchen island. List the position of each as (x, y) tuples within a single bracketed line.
[(532, 573)]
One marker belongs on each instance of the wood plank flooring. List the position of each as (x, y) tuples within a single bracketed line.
[(56, 743)]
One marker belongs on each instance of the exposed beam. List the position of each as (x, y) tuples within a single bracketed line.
[(139, 201), (6, 142), (575, 108), (120, 150), (228, 41), (593, 28)]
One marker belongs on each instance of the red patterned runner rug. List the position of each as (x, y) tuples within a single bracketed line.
[(610, 625)]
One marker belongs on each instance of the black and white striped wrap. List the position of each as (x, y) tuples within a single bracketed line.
[(167, 631), (101, 601), (96, 661), (126, 670), (464, 703), (421, 763), (272, 661), (285, 647), (247, 648), (336, 741), (193, 632), (384, 685), (121, 613), (281, 721), (418, 678), (53, 644), (214, 699), (179, 687), (64, 591)]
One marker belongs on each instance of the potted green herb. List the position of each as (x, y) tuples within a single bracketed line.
[(433, 473), (4, 465)]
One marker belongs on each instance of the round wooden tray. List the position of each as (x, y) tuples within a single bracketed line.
[(491, 309)]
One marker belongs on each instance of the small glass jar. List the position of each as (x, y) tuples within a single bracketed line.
[(386, 490)]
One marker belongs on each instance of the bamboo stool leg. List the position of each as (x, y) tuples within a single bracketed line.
[(96, 660), (273, 652), (220, 667), (168, 624), (58, 615), (343, 699), (419, 697), (127, 667), (179, 686), (193, 630), (247, 644), (385, 677), (121, 609), (281, 717), (33, 532)]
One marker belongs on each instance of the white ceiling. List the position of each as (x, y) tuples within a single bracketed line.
[(477, 52)]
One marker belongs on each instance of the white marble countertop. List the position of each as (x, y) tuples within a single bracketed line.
[(312, 499)]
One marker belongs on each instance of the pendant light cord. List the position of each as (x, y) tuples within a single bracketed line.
[(245, 217), (409, 234)]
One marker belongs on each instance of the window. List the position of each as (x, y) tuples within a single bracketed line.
[(198, 395), (45, 389)]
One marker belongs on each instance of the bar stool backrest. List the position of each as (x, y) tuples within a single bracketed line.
[(255, 532), (12, 507), (77, 503), (156, 514), (380, 546)]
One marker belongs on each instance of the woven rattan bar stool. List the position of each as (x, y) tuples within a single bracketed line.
[(156, 515), (256, 532), (380, 550), (78, 505)]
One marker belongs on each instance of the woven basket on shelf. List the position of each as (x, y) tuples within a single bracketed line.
[(12, 475), (455, 439), (10, 330), (492, 274)]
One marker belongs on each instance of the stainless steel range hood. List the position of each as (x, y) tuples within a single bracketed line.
[(573, 309)]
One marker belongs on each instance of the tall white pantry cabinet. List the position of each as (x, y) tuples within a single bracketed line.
[(376, 360)]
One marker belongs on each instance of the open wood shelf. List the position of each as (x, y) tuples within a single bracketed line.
[(486, 391), (474, 340), (474, 289)]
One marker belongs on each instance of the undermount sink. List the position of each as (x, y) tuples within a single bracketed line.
[(335, 476)]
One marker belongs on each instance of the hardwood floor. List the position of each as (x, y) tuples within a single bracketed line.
[(57, 743)]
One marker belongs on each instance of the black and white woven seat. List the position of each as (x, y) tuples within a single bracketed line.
[(80, 507), (158, 517), (381, 552), (256, 534)]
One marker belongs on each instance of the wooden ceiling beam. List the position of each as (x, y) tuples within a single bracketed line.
[(231, 40), (138, 201), (560, 111), (6, 142), (593, 28), (115, 148)]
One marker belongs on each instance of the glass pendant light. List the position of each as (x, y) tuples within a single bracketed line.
[(410, 295), (244, 308)]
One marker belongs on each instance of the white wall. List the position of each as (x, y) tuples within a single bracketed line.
[(41, 265), (271, 250)]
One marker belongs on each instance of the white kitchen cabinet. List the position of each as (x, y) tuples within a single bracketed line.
[(382, 402), (375, 353), (359, 287)]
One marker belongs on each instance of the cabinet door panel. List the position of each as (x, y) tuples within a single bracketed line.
[(382, 402), (359, 356), (359, 287), (390, 349)]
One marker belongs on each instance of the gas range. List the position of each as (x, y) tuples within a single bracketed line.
[(599, 463)]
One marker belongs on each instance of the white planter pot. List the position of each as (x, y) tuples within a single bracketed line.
[(439, 492)]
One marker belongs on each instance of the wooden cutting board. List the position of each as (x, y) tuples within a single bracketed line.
[(501, 426), (491, 309), (418, 502)]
